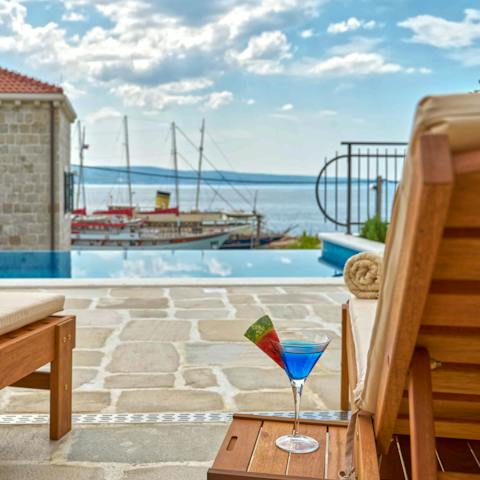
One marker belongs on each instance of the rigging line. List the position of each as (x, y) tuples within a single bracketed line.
[(195, 176), (222, 153), (240, 194), (214, 189)]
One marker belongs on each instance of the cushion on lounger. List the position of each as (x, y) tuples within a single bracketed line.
[(457, 116), (18, 309), (362, 317)]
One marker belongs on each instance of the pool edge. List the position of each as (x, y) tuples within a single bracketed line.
[(166, 282)]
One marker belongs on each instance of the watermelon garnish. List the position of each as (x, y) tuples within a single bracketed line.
[(263, 334)]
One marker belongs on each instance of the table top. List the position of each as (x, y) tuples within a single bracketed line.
[(249, 451)]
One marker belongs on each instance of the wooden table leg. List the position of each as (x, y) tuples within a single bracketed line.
[(344, 381), (61, 380)]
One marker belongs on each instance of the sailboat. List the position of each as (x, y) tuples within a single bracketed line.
[(163, 227)]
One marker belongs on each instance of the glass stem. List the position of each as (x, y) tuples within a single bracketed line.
[(297, 388)]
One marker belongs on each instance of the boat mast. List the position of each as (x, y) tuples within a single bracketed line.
[(81, 180), (175, 164), (127, 155), (200, 158)]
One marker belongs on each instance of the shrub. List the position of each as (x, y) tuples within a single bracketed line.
[(374, 229), (305, 242)]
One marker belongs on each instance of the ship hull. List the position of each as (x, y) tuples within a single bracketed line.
[(206, 242)]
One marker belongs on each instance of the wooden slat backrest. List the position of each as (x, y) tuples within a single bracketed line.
[(451, 322), (419, 218), (433, 297)]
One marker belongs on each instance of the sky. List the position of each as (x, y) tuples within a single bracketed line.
[(280, 83)]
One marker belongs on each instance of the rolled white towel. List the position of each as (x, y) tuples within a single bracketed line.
[(363, 273)]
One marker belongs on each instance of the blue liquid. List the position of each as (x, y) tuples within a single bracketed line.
[(300, 357)]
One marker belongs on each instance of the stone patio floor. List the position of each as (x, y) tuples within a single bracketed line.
[(179, 349)]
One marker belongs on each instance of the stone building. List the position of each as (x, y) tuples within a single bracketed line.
[(35, 180)]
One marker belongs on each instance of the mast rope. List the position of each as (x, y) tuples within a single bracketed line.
[(222, 153), (214, 189), (240, 194)]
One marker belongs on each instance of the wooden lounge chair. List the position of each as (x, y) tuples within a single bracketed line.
[(30, 338), (411, 362)]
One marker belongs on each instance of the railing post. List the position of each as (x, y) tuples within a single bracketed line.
[(349, 189), (378, 199)]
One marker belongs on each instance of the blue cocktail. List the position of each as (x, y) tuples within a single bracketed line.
[(299, 357)]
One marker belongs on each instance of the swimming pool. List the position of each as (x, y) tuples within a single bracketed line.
[(166, 264)]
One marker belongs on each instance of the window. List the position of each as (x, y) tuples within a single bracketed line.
[(69, 182)]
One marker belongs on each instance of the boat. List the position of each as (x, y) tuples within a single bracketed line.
[(112, 232), (165, 226), (240, 241)]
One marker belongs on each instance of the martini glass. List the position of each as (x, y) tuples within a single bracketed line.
[(300, 352)]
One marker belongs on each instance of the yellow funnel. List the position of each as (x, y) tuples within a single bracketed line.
[(162, 200)]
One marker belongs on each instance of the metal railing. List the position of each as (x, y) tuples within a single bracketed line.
[(354, 186)]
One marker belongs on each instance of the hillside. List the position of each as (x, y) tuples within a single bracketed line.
[(164, 176)]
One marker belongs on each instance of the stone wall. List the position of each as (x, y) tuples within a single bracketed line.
[(25, 183)]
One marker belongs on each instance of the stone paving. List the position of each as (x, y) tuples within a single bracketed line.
[(110, 452), (178, 349), (182, 349)]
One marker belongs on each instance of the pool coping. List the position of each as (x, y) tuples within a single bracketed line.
[(352, 242), (167, 282)]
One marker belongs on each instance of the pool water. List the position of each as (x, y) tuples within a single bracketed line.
[(166, 264)]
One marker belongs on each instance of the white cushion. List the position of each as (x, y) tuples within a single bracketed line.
[(362, 318), (18, 309)]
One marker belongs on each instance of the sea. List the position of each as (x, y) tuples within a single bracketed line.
[(284, 207)]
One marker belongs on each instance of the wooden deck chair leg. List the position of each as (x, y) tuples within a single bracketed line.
[(61, 380), (366, 461), (344, 381), (422, 430)]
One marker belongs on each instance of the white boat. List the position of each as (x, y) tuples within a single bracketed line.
[(163, 227), (140, 239)]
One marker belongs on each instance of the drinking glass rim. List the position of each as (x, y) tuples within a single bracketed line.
[(305, 344)]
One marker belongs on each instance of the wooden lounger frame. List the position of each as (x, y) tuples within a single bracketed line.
[(430, 385), (25, 350)]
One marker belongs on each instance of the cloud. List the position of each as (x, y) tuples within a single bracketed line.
[(326, 113), (470, 57), (285, 116), (357, 44), (182, 93), (421, 70), (153, 97), (72, 91), (73, 17), (354, 64), (441, 33), (264, 54), (262, 14), (350, 25), (219, 99), (158, 53), (150, 43), (286, 108), (103, 113), (307, 33), (250, 101)]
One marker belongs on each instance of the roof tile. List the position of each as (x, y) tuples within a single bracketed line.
[(13, 82)]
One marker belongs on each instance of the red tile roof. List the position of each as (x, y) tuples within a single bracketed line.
[(13, 82)]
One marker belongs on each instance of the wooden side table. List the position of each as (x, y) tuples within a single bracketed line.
[(249, 451)]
